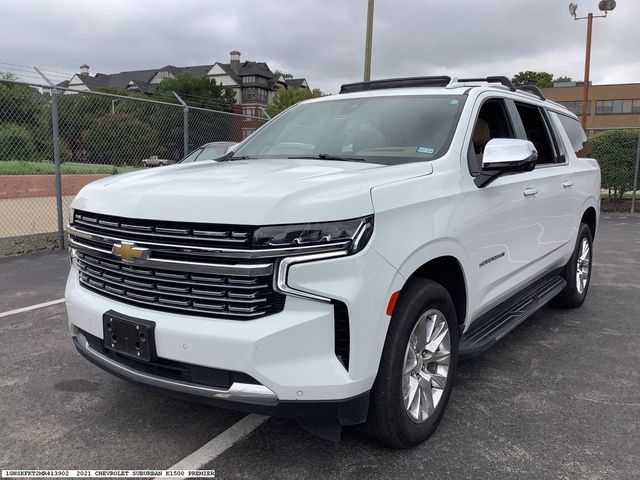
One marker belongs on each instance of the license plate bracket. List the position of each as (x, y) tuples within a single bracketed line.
[(129, 336)]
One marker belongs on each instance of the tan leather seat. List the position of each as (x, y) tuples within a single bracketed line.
[(481, 136)]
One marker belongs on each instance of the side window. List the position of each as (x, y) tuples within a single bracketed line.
[(576, 134), (538, 132), (493, 122)]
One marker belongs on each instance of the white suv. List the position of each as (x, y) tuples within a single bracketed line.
[(336, 267)]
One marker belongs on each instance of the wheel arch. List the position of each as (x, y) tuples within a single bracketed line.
[(590, 217), (447, 271)]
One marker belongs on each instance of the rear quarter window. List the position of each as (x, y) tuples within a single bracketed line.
[(575, 132)]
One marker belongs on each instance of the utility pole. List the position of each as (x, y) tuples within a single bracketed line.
[(368, 40), (587, 67)]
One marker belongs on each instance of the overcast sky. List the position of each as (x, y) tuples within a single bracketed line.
[(322, 40)]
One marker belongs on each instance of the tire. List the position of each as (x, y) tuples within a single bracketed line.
[(389, 420), (573, 295)]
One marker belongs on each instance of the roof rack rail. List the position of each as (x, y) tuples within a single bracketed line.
[(441, 81), (532, 89), (495, 79)]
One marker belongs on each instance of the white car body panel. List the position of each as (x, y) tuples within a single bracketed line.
[(265, 192), (423, 211)]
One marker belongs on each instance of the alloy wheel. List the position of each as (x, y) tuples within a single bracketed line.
[(583, 267), (426, 365)]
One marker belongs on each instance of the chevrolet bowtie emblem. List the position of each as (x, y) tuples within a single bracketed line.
[(128, 251)]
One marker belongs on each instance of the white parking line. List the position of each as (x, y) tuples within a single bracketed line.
[(32, 307), (218, 445)]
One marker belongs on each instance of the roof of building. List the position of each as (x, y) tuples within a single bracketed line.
[(296, 82), (142, 79)]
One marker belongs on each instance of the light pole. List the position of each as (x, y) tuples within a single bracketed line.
[(367, 45), (605, 6)]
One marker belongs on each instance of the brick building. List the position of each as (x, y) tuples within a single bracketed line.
[(610, 106)]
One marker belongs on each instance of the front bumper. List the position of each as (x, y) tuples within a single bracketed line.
[(290, 354), (239, 392), (239, 396)]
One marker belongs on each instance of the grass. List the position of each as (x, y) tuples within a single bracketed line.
[(626, 196), (12, 167)]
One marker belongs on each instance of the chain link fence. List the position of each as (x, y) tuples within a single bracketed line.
[(93, 135), (618, 153), (96, 134)]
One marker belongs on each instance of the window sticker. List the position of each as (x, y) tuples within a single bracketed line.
[(427, 150)]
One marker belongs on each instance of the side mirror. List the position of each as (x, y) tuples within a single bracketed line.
[(506, 155), (509, 154)]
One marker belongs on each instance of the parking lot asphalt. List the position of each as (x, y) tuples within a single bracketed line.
[(559, 397)]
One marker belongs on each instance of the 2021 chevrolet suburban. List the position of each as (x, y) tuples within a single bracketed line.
[(335, 266)]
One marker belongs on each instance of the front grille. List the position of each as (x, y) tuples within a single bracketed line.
[(196, 293), (176, 233)]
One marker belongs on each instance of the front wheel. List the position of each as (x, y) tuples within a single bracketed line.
[(417, 366), (577, 272)]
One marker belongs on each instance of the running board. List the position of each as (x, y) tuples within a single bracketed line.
[(500, 320)]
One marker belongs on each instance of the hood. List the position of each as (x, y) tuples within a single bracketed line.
[(250, 192)]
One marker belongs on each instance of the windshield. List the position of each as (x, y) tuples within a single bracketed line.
[(205, 153), (387, 130)]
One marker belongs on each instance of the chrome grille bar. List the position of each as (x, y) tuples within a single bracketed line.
[(193, 293), (180, 265)]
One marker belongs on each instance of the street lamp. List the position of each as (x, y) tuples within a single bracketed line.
[(604, 6)]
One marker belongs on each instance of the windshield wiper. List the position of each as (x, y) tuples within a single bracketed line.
[(229, 157), (326, 156)]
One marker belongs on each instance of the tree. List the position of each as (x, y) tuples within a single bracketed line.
[(277, 73), (8, 76), (20, 104), (286, 97), (616, 151), (121, 139), (16, 143), (197, 92), (540, 79), (76, 113)]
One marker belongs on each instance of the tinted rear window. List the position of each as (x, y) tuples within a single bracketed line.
[(574, 130)]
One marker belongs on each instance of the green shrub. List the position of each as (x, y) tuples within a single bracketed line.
[(616, 152), (47, 153), (16, 143), (121, 139)]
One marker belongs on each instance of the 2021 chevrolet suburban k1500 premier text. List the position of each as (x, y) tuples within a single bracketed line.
[(336, 265)]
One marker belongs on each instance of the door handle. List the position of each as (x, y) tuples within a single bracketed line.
[(567, 184), (530, 192)]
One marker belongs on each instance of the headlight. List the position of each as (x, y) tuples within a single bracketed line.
[(353, 234), (70, 215)]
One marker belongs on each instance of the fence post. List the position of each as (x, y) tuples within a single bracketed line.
[(185, 121), (56, 158), (635, 177), (185, 124)]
